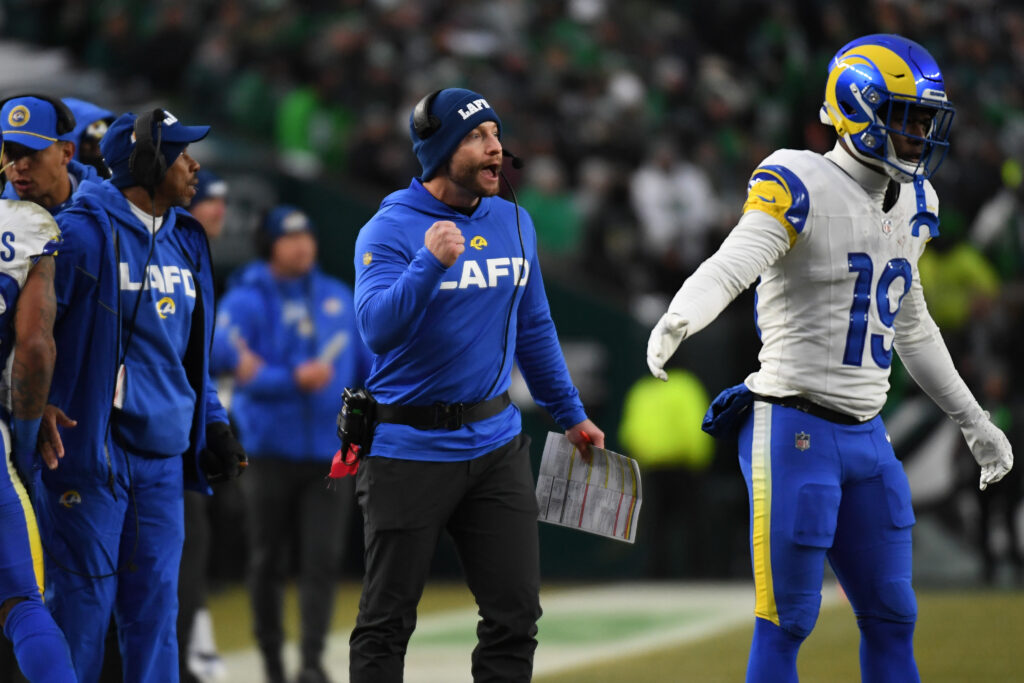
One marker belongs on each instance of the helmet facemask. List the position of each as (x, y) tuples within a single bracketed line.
[(883, 86)]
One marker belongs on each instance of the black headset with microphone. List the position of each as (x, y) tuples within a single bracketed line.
[(426, 124), (146, 163)]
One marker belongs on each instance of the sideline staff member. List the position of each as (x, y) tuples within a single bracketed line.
[(446, 323), (134, 294)]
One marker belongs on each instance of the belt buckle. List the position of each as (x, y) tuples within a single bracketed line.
[(449, 415)]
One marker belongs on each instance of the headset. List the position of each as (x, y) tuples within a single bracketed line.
[(147, 165), (423, 122)]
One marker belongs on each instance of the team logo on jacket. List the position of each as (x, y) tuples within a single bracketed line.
[(333, 305), (803, 441), (70, 498), (478, 242), (165, 307), (367, 258)]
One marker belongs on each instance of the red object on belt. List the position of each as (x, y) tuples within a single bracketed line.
[(347, 465)]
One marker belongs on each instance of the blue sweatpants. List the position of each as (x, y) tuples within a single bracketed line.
[(820, 490), (116, 550), (39, 646)]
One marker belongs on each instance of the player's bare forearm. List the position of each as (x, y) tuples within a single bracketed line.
[(34, 348)]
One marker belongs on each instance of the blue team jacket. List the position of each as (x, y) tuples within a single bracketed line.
[(79, 172), (87, 334), (273, 415), (440, 334)]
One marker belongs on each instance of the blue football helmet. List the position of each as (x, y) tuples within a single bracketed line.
[(875, 84)]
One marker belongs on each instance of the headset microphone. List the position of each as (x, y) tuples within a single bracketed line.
[(517, 163)]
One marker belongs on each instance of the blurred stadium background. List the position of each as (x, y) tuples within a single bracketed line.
[(639, 122)]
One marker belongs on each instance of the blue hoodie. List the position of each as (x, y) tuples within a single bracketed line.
[(286, 323), (90, 339), (78, 174), (440, 333)]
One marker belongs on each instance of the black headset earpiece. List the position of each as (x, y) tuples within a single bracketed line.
[(146, 163), (65, 118), (423, 122)]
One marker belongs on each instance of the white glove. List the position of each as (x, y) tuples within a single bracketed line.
[(990, 448), (665, 339)]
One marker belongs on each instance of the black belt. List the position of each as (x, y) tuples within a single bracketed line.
[(442, 415), (811, 408)]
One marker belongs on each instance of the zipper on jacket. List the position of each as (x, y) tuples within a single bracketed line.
[(110, 471)]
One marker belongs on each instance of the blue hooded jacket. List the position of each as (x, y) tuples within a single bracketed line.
[(274, 417), (451, 334), (88, 326), (77, 172)]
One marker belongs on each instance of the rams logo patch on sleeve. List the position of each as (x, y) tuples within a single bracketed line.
[(778, 192)]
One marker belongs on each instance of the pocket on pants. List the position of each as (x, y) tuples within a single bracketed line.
[(897, 496), (817, 509)]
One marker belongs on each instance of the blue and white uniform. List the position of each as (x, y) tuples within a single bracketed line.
[(27, 232), (413, 313), (111, 515), (839, 290)]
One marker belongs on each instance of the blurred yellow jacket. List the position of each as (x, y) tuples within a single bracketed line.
[(661, 422)]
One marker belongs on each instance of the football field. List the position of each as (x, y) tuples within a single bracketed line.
[(654, 633)]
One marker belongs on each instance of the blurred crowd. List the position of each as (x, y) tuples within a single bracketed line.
[(640, 121)]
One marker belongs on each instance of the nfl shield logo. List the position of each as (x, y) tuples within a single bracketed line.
[(803, 441), (887, 227)]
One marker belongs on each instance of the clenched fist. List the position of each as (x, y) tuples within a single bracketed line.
[(445, 241)]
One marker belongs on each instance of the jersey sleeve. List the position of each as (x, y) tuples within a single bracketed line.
[(777, 191)]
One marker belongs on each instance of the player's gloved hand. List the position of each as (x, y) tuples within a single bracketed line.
[(223, 458), (990, 448), (665, 339), (24, 434)]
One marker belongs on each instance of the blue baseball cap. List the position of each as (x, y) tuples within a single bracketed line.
[(458, 111), (118, 143), (209, 186), (89, 118), (286, 219), (34, 122)]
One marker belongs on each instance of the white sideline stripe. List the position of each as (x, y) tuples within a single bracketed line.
[(728, 605)]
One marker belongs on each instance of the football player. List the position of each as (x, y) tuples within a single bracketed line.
[(835, 241)]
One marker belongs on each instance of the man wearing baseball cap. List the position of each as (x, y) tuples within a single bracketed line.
[(299, 325), (38, 152), (449, 297), (132, 395), (91, 124)]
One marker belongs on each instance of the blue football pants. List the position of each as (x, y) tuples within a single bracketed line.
[(820, 490), (39, 646), (116, 550)]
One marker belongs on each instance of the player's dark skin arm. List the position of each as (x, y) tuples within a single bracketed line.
[(34, 356), (34, 349)]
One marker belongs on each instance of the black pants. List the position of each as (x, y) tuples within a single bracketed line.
[(489, 508), (279, 493)]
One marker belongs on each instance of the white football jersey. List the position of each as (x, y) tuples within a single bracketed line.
[(827, 309), (27, 231)]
